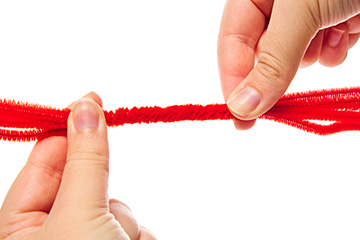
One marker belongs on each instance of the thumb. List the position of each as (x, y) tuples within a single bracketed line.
[(84, 183), (291, 28)]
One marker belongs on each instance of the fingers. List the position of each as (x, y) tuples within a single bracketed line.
[(33, 192), (91, 95), (145, 234), (353, 38), (36, 186), (123, 215), (354, 24), (335, 46), (289, 32), (338, 40), (313, 51), (330, 46), (241, 27), (83, 190), (126, 219)]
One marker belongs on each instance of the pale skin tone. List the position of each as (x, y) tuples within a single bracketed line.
[(61, 193), (282, 35)]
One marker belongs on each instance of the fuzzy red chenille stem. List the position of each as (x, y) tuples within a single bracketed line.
[(340, 108)]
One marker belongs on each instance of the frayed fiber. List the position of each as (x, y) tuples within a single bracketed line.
[(340, 108)]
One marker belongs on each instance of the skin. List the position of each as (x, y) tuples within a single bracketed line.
[(61, 193), (282, 35)]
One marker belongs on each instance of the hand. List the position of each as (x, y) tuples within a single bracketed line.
[(61, 193), (299, 31)]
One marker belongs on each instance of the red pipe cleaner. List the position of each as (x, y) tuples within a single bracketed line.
[(21, 121)]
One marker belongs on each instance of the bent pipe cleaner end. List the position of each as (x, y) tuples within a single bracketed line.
[(322, 112)]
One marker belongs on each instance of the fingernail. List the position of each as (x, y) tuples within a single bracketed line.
[(85, 115), (244, 102), (334, 37)]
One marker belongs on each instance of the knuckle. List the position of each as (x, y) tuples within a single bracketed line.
[(270, 67), (333, 12), (243, 39), (312, 11), (91, 156), (273, 74), (89, 146)]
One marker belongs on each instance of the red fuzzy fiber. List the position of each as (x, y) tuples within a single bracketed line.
[(339, 107)]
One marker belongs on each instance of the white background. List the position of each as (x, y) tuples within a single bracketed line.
[(186, 180)]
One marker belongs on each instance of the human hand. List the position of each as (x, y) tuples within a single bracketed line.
[(61, 193), (298, 32)]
